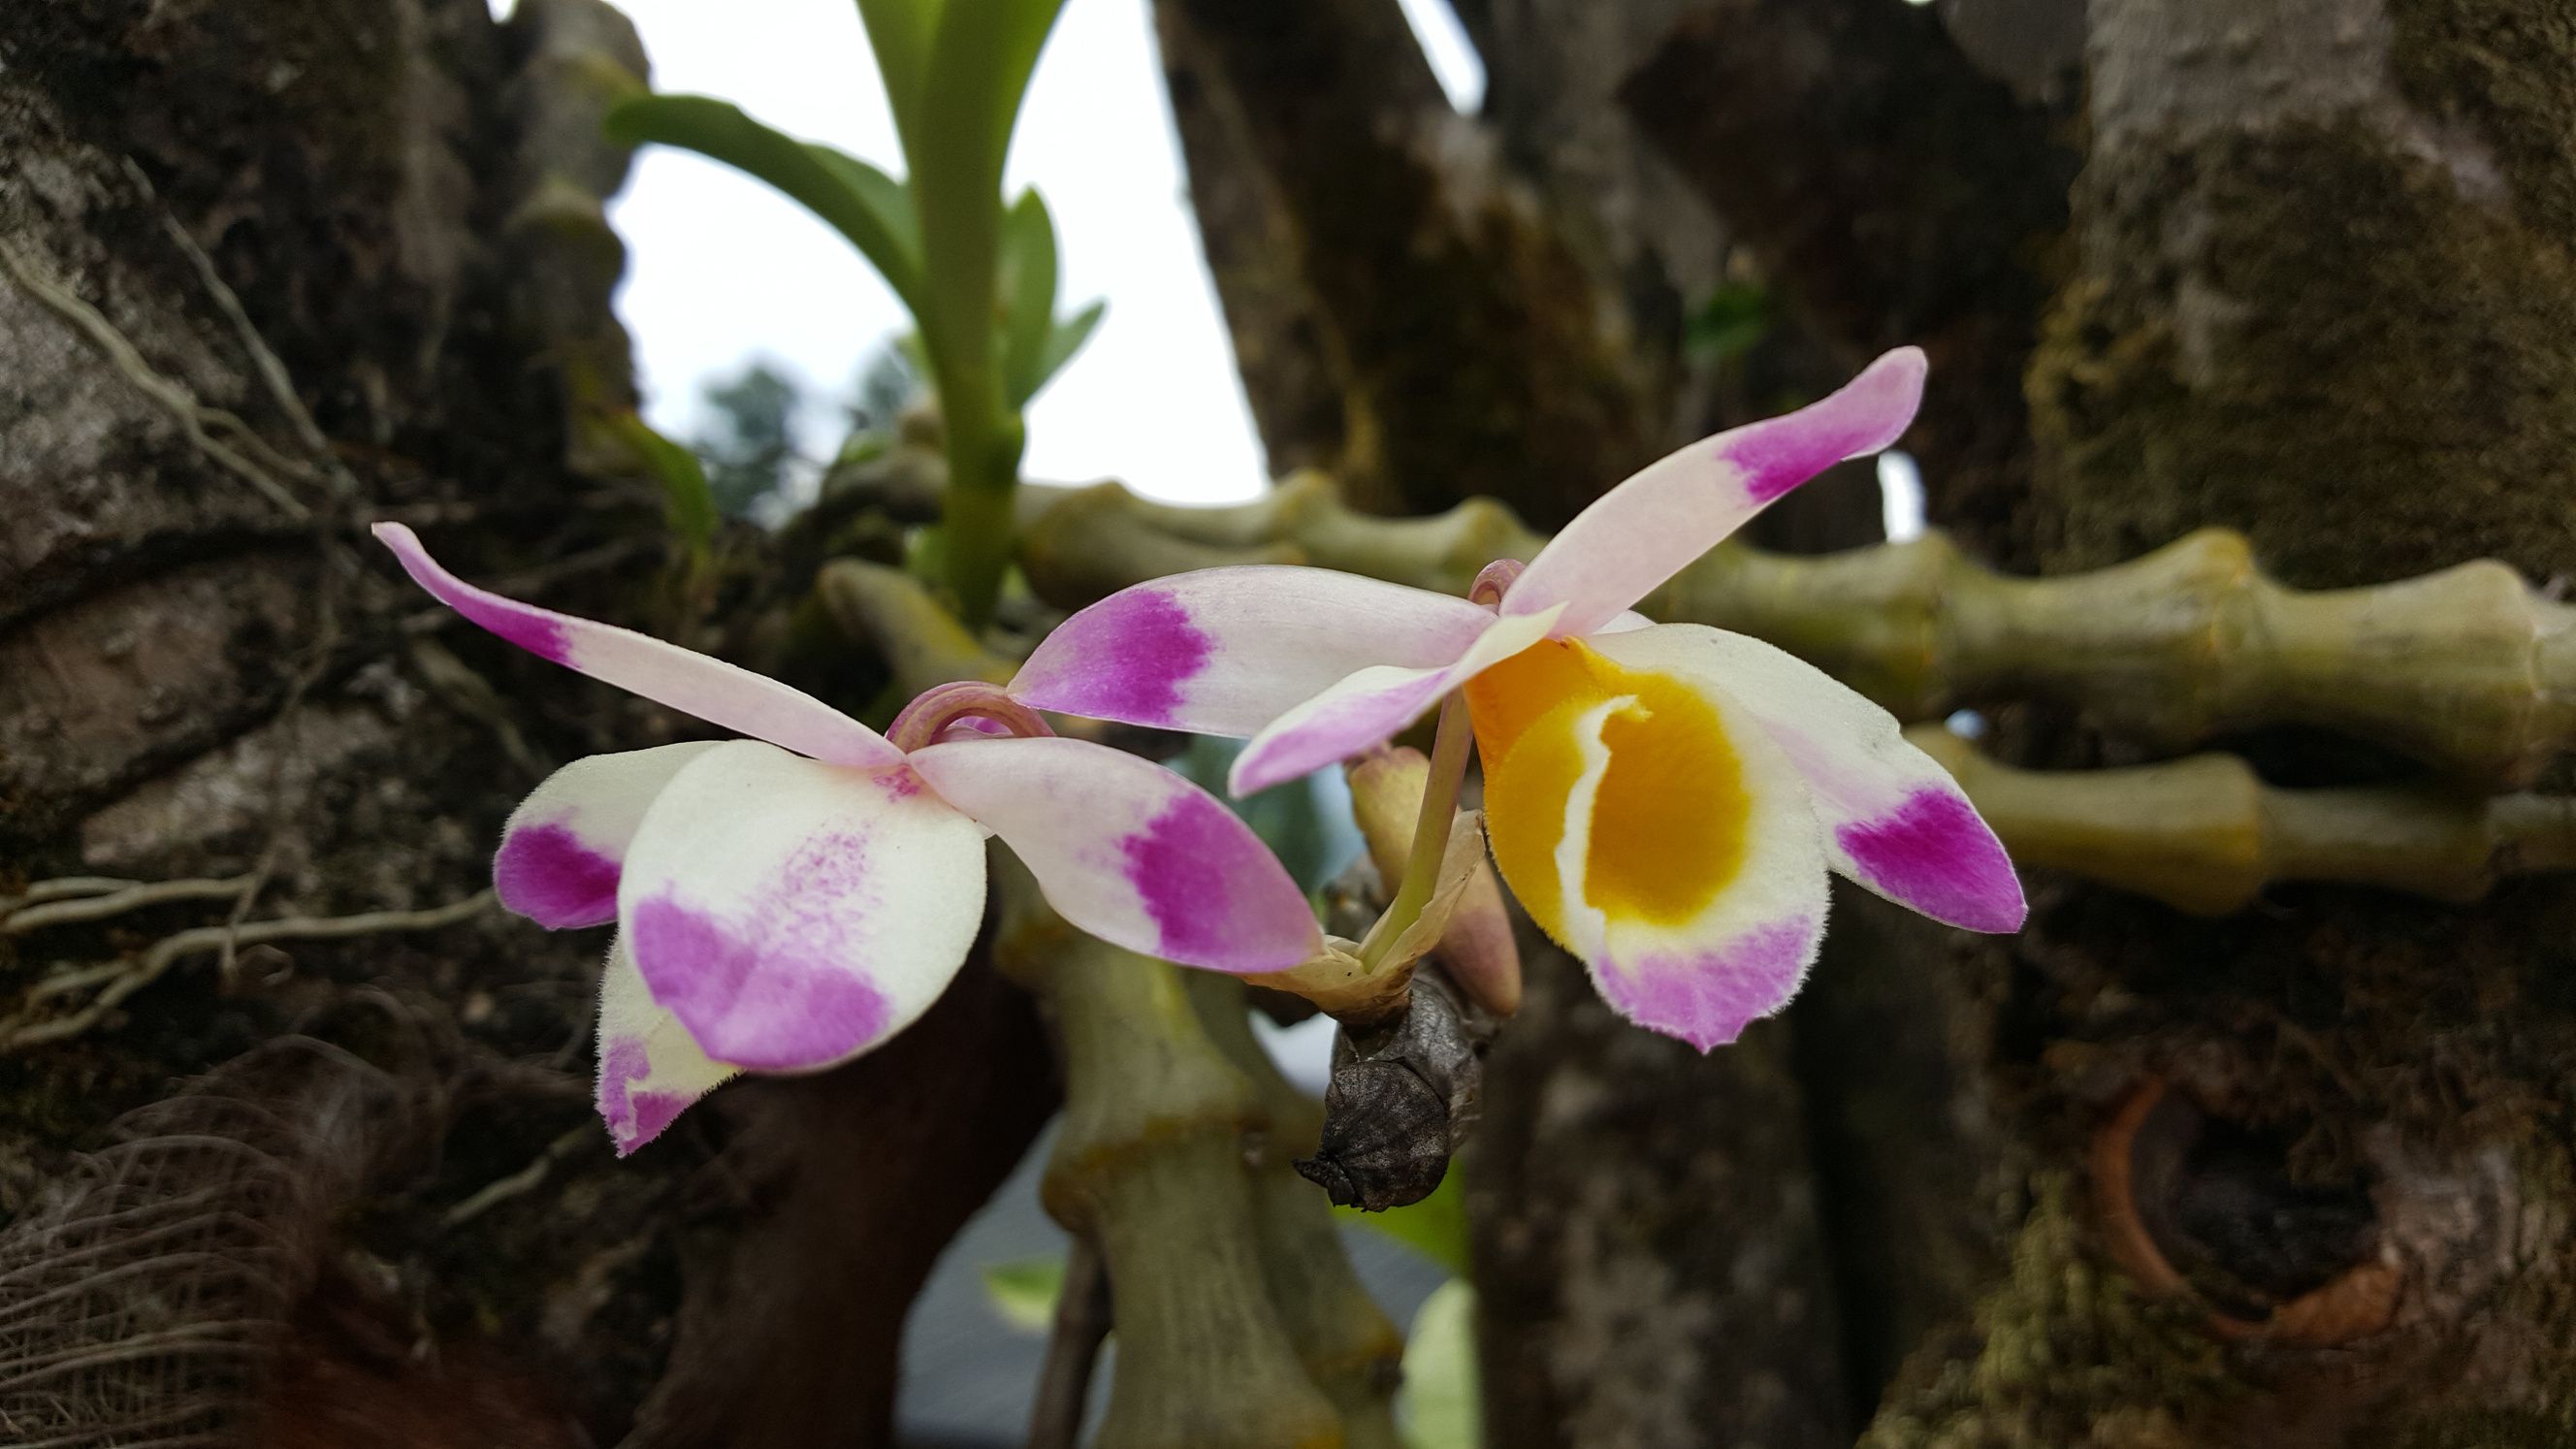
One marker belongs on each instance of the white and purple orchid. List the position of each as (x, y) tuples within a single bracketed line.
[(1665, 799), (789, 901)]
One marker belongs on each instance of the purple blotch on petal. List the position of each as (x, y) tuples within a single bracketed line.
[(1138, 649), (1869, 413), (549, 875), (782, 1001), (532, 629), (1185, 865), (633, 1118), (1708, 1001), (1932, 853), (544, 637)]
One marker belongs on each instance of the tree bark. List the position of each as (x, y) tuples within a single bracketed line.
[(1406, 235), (207, 672), (2296, 1177)]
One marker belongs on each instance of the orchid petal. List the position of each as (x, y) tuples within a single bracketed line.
[(794, 914), (1655, 831), (1894, 820), (690, 682), (649, 1066), (1129, 851), (1369, 707), (1642, 532), (562, 849), (1226, 651)]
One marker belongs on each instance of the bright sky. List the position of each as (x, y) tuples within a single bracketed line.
[(721, 269)]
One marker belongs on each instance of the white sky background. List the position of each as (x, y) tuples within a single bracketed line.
[(721, 269)]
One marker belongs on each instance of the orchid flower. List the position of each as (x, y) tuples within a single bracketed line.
[(789, 901), (1665, 799)]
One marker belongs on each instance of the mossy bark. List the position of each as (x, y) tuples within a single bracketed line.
[(2324, 295), (195, 681)]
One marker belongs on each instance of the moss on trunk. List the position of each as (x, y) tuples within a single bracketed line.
[(2325, 296)]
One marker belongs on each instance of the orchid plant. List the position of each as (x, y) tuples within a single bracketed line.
[(1666, 800), (789, 901)]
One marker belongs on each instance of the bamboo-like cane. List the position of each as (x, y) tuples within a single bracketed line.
[(1349, 1348), (1149, 1167), (2204, 835), (2467, 669), (1239, 1320)]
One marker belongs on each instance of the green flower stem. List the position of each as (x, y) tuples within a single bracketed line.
[(984, 443), (1449, 748)]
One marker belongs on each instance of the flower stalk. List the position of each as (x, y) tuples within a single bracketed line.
[(1422, 867)]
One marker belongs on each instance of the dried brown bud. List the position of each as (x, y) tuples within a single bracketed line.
[(1402, 1098)]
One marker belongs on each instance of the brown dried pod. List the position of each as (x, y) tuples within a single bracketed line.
[(1402, 1098), (2195, 1207)]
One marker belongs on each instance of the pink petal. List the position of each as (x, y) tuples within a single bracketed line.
[(1894, 820), (690, 682), (1645, 530), (793, 914), (1226, 651), (1131, 852), (650, 1068), (1708, 994), (561, 852), (1369, 707)]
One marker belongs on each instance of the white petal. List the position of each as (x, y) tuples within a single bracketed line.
[(561, 852), (1894, 819), (649, 1066), (1226, 651), (1129, 851), (690, 682), (1370, 707), (1642, 532), (794, 914)]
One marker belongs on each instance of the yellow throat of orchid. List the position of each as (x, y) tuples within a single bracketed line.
[(1628, 772)]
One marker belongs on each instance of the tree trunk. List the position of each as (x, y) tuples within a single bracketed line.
[(268, 273), (2313, 283), (2296, 1177)]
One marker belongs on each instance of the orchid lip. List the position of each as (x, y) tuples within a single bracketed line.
[(1494, 581), (935, 709)]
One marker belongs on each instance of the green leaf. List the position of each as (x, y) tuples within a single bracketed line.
[(691, 504), (1063, 341), (899, 32), (1023, 1292), (1027, 293), (859, 201), (1435, 1227), (884, 196), (1440, 1405), (980, 61)]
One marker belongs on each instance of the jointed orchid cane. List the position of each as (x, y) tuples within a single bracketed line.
[(789, 901), (1664, 799)]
